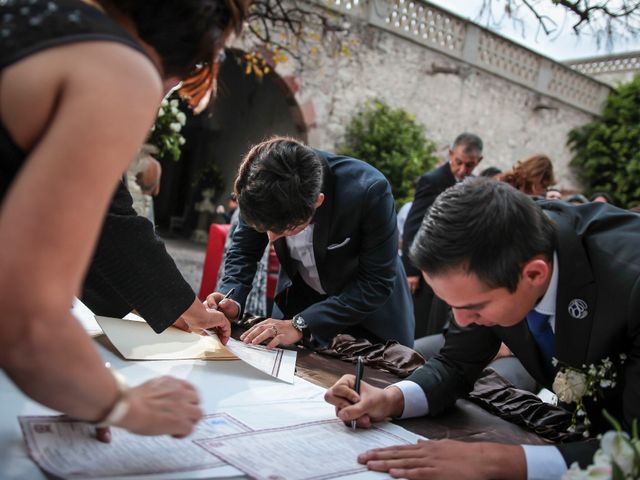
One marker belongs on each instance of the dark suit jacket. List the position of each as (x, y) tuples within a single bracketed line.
[(430, 185), (355, 243), (131, 269), (598, 248)]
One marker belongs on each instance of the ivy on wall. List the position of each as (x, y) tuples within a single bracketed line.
[(607, 150)]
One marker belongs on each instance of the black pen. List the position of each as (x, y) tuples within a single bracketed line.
[(229, 293), (356, 387)]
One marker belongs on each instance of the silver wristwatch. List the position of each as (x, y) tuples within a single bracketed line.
[(299, 323)]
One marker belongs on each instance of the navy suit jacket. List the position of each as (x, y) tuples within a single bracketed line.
[(355, 244), (430, 185), (598, 248)]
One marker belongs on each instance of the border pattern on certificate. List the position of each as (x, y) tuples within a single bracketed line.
[(256, 475), (51, 467)]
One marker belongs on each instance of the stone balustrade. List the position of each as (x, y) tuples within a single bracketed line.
[(437, 29), (626, 62)]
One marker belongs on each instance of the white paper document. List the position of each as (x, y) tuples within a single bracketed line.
[(86, 318), (309, 451), (276, 362), (68, 448), (136, 340)]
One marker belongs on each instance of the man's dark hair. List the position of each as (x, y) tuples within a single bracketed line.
[(470, 142), (490, 172), (606, 195), (278, 184), (485, 227)]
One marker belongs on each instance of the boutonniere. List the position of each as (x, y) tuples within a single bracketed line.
[(574, 385)]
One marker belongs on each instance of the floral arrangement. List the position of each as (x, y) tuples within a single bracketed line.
[(165, 138), (618, 457), (573, 385)]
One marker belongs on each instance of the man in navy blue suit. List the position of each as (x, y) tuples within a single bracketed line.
[(332, 222)]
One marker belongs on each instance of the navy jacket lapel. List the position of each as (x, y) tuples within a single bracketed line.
[(322, 221), (576, 298)]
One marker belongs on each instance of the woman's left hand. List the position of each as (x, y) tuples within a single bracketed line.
[(275, 332)]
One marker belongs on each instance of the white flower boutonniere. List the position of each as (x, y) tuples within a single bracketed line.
[(573, 385)]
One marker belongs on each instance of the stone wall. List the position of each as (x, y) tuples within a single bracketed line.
[(446, 94)]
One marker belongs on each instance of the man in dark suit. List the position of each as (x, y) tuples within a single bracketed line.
[(333, 225), (549, 280), (464, 155)]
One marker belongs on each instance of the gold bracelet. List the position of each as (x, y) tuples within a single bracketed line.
[(121, 406)]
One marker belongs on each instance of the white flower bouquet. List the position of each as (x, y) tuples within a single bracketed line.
[(618, 457), (165, 138)]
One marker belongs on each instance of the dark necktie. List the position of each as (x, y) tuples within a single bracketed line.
[(541, 330)]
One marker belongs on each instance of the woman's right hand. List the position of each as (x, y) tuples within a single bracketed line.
[(163, 405)]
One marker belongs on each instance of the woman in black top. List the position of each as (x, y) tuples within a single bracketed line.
[(80, 84)]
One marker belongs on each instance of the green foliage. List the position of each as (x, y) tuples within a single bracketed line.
[(392, 141), (607, 150), (165, 136)]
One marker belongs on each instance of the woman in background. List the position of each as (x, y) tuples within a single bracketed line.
[(80, 85), (531, 176)]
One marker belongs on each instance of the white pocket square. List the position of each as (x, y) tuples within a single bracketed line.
[(338, 245)]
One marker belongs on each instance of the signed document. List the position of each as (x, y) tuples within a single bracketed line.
[(68, 448), (315, 450)]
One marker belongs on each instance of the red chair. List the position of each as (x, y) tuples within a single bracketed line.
[(215, 246), (213, 258)]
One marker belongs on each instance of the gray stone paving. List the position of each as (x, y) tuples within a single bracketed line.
[(189, 257)]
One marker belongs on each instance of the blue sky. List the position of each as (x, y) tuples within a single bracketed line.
[(561, 45)]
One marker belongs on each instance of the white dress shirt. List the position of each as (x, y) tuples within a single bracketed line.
[(544, 462), (301, 250)]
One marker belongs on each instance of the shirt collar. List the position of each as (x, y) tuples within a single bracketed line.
[(547, 305)]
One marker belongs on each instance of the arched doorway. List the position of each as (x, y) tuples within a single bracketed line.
[(247, 110)]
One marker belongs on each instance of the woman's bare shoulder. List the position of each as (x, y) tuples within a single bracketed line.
[(99, 74)]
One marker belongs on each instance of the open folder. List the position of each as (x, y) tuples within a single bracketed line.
[(136, 340)]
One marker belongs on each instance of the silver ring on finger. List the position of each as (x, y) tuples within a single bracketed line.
[(274, 329)]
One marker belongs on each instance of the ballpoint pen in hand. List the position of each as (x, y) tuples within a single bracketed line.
[(356, 387), (229, 293)]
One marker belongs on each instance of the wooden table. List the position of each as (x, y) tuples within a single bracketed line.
[(464, 421)]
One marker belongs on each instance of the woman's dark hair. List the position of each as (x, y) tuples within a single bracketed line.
[(187, 34), (485, 227), (278, 184)]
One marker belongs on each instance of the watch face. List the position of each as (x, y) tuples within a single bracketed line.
[(299, 323)]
